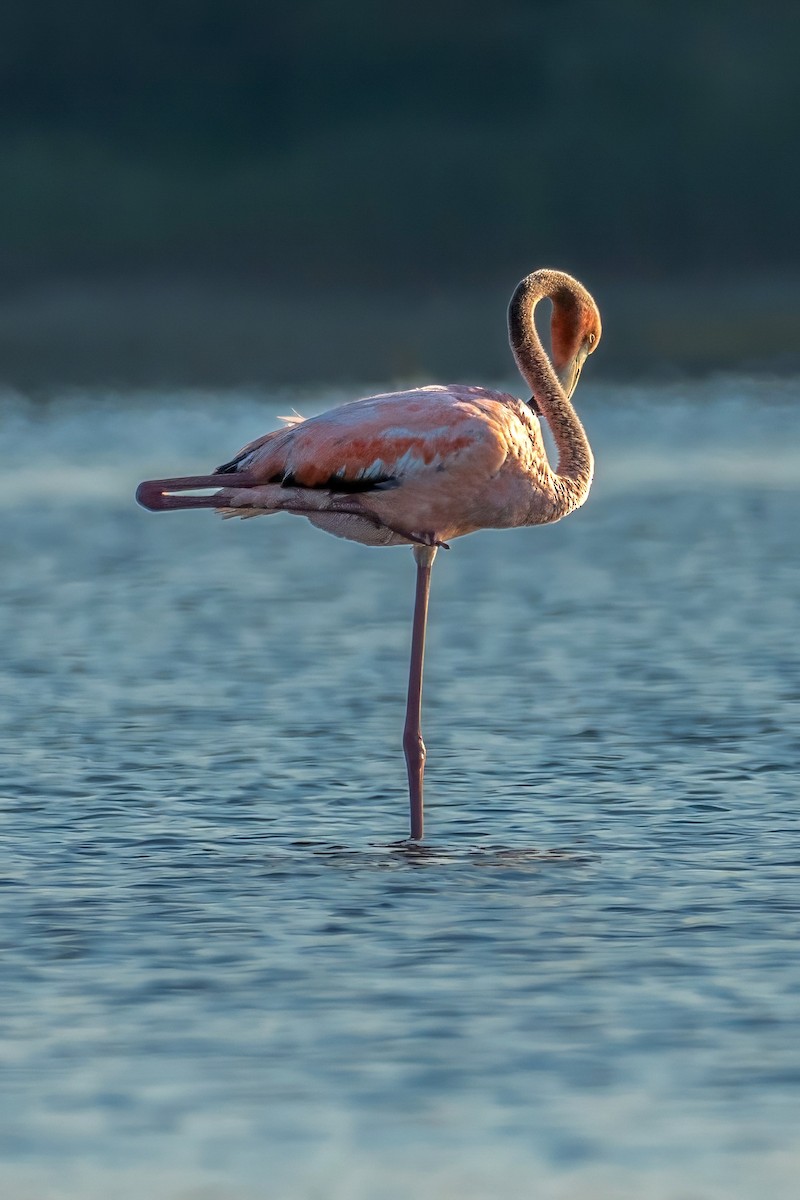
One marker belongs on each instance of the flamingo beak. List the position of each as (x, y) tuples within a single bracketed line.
[(571, 373)]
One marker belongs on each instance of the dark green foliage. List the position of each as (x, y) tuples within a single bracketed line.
[(367, 144)]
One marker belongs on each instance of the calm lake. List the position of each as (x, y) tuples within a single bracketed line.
[(220, 980)]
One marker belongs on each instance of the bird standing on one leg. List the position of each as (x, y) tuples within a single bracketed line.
[(425, 466)]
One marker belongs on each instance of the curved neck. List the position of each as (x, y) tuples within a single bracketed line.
[(575, 458)]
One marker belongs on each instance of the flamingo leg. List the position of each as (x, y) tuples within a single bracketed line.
[(161, 495), (413, 745)]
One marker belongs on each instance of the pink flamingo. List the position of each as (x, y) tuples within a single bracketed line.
[(422, 467)]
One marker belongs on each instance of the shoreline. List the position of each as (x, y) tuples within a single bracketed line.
[(181, 332)]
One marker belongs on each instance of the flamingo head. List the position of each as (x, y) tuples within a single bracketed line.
[(575, 331)]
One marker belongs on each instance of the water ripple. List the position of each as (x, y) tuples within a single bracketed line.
[(221, 963)]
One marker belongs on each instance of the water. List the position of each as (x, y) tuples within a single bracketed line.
[(221, 980)]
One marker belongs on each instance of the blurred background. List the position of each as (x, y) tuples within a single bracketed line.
[(225, 193), (221, 971)]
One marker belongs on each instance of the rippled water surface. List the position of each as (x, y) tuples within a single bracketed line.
[(220, 976)]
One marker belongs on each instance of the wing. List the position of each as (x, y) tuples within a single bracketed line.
[(385, 441), (248, 453)]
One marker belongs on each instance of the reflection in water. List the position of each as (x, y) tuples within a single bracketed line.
[(379, 857), (218, 966)]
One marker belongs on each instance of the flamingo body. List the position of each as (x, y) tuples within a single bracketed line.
[(446, 459), (425, 466)]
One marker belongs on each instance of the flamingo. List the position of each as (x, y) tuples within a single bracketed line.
[(422, 467)]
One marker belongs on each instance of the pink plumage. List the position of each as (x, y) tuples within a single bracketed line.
[(425, 466)]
